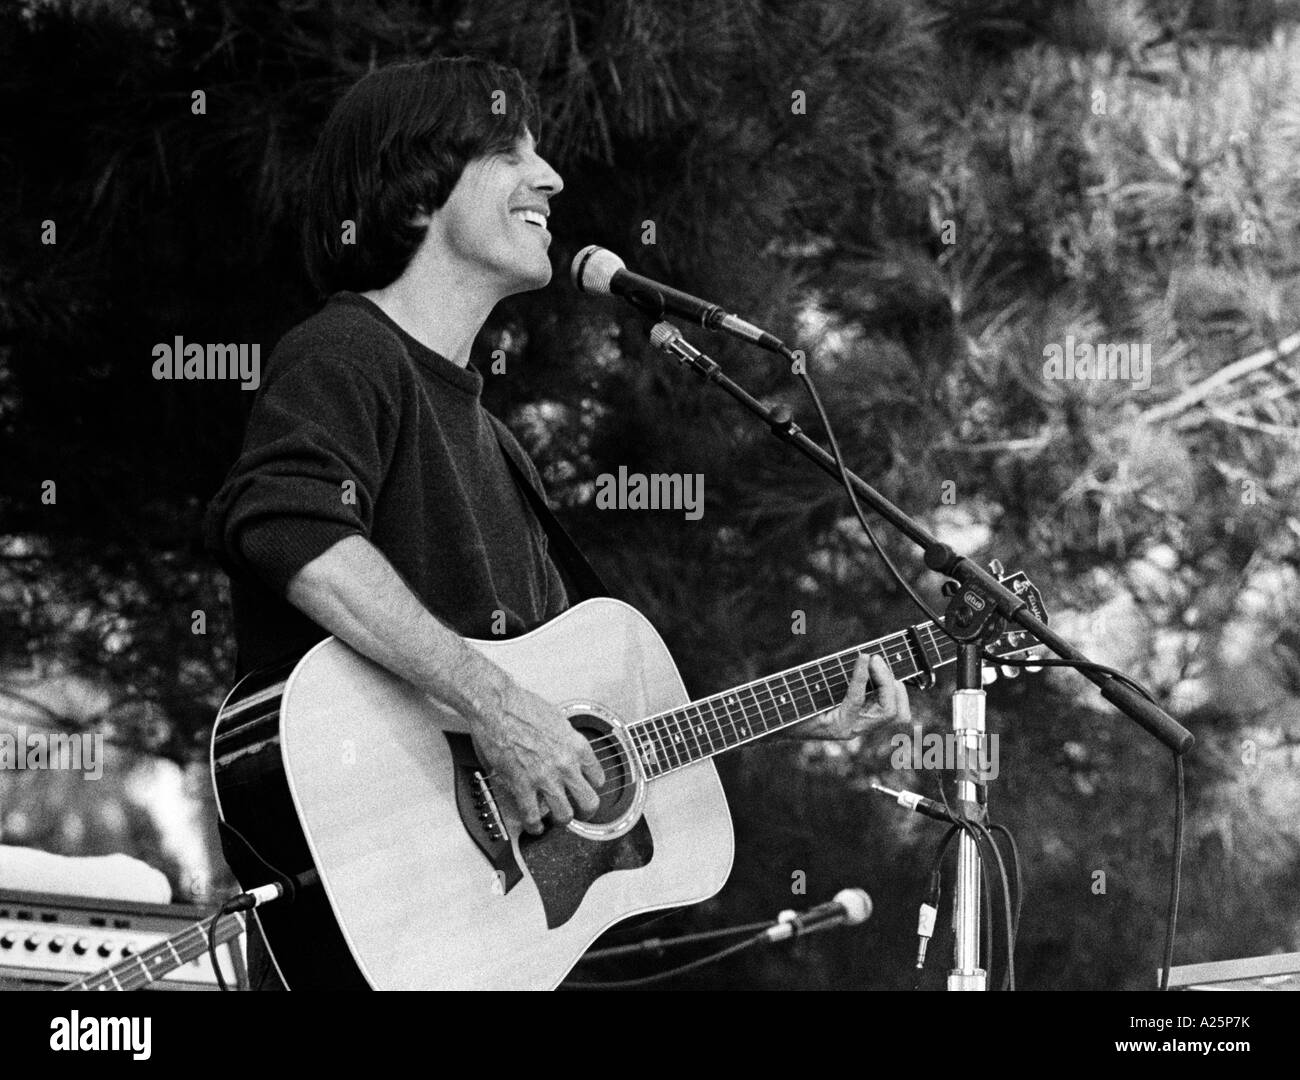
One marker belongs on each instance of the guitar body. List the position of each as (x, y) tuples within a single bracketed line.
[(425, 881)]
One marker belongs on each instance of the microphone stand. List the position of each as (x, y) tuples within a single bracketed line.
[(978, 605), (971, 805)]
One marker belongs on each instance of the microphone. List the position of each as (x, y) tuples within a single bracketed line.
[(851, 907), (600, 272)]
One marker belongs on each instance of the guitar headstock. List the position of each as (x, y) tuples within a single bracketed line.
[(1017, 642)]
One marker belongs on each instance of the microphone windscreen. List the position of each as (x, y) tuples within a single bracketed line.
[(857, 903), (593, 268)]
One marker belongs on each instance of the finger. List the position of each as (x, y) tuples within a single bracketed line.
[(882, 676), (893, 694), (904, 706), (558, 801), (530, 813), (589, 764), (859, 681), (583, 796)]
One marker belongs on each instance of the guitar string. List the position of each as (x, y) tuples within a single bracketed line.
[(619, 755), (683, 764), (181, 940), (716, 724), (675, 751), (668, 754), (672, 767)]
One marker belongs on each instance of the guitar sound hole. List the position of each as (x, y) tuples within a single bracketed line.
[(618, 789)]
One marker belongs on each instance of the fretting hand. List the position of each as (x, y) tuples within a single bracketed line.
[(874, 697)]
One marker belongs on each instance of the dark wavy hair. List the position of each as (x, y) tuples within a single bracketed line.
[(394, 146)]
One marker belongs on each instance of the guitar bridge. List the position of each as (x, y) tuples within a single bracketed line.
[(480, 814), (486, 805)]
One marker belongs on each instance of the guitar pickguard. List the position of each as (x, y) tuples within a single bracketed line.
[(564, 865)]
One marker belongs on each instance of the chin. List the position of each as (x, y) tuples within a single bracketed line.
[(536, 277)]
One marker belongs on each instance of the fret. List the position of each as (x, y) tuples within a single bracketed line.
[(821, 687), (702, 736), (693, 726), (680, 738), (674, 726), (144, 968), (650, 732), (666, 742), (902, 658), (720, 720), (769, 722), (812, 701), (745, 725), (745, 729), (801, 701), (846, 675), (643, 739), (931, 656), (939, 639), (661, 743), (787, 710), (179, 961), (712, 725), (115, 982), (942, 642), (730, 701)]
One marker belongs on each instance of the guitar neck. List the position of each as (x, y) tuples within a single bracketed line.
[(153, 963), (713, 725)]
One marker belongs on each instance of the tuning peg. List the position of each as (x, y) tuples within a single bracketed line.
[(989, 674), (1010, 672), (995, 567)]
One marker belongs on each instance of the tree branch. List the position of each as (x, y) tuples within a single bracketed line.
[(1198, 392)]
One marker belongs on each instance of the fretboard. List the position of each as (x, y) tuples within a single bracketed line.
[(672, 740), (157, 960)]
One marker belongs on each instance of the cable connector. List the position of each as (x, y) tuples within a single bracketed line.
[(929, 915), (910, 800)]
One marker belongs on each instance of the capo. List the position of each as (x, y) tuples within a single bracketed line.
[(924, 670)]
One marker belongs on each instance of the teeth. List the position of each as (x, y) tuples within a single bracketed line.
[(533, 217)]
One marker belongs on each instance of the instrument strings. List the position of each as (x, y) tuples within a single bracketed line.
[(610, 751)]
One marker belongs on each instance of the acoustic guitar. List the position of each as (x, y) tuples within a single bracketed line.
[(426, 879)]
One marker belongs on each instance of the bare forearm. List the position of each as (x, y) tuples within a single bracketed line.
[(353, 592)]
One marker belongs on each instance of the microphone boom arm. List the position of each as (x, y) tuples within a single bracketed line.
[(938, 555)]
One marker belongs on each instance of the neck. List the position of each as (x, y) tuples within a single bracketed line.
[(671, 740), (441, 309), (155, 962)]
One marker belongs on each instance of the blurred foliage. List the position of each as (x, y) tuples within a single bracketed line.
[(970, 182)]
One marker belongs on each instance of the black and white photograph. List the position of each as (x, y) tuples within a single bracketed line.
[(666, 495)]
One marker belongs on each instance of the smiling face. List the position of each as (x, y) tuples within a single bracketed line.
[(494, 223)]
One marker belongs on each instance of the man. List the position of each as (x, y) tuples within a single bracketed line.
[(372, 500)]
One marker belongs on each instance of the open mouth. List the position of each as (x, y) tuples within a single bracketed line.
[(533, 217)]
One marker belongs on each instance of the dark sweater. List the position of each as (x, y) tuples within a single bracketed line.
[(360, 430)]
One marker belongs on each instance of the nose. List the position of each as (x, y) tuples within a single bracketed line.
[(546, 178)]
